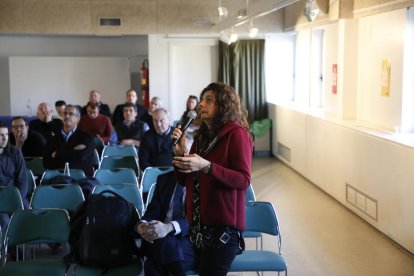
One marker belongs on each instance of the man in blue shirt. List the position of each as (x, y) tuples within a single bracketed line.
[(12, 170)]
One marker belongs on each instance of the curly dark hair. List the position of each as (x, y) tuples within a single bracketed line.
[(229, 105)]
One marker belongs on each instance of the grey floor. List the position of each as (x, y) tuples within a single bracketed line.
[(319, 235)]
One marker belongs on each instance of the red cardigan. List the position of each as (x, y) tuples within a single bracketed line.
[(222, 191)]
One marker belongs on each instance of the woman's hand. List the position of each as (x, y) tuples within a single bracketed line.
[(180, 148), (190, 163)]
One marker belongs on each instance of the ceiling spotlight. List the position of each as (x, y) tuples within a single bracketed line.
[(222, 11), (233, 37), (310, 13), (252, 30), (241, 14)]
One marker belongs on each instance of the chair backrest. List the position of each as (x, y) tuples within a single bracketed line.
[(76, 174), (35, 164), (63, 196), (261, 217), (96, 159), (150, 176), (119, 150), (31, 182), (250, 196), (128, 191), (10, 200), (116, 162), (150, 194), (115, 176), (38, 226)]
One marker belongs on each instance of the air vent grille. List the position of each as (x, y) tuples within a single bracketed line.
[(362, 202), (283, 151), (110, 21)]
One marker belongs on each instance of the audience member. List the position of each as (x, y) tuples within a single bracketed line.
[(95, 97), (130, 131), (218, 169), (71, 145), (45, 124), (31, 143), (164, 230), (192, 102), (96, 124), (12, 170), (156, 149), (131, 97), (147, 117), (60, 108)]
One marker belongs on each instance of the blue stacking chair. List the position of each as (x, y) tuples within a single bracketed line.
[(261, 217), (31, 183), (115, 176), (150, 175), (119, 150), (35, 226), (150, 194), (76, 174), (250, 196), (35, 164), (130, 192), (62, 196), (117, 162)]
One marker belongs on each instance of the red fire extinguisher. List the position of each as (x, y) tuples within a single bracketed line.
[(145, 83)]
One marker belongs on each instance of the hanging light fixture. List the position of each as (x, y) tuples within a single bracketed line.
[(233, 36), (222, 11), (241, 14), (252, 29)]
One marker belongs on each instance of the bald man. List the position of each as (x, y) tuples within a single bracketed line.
[(45, 124)]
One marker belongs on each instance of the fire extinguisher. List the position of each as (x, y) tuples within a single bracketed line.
[(145, 83)]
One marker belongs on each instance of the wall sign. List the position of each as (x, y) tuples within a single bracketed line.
[(385, 77), (334, 78)]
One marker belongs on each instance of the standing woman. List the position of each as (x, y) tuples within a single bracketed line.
[(216, 174)]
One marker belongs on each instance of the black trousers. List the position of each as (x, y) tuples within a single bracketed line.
[(217, 260)]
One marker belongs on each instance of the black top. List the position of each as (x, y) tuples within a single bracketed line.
[(133, 131), (47, 130), (155, 149), (118, 116), (147, 118), (34, 146)]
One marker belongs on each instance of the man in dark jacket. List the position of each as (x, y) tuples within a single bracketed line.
[(45, 124), (164, 230), (31, 143), (70, 145)]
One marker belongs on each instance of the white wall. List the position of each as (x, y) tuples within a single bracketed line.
[(47, 79), (180, 67), (357, 144)]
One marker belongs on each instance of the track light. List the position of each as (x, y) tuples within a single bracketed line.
[(241, 14), (252, 30), (222, 11), (310, 13), (233, 37)]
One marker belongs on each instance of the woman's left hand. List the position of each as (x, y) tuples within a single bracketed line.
[(190, 163)]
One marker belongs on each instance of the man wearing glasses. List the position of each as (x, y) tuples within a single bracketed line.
[(71, 145), (31, 143)]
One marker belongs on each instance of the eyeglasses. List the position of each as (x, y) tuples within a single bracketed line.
[(19, 126), (70, 114)]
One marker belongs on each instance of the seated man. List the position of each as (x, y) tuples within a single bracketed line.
[(12, 170), (131, 97), (164, 230), (130, 131), (60, 108), (71, 145), (31, 143), (96, 124), (153, 105), (156, 148), (45, 124), (95, 97)]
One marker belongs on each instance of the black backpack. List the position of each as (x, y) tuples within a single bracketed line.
[(102, 232)]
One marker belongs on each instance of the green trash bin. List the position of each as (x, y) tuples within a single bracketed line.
[(262, 139)]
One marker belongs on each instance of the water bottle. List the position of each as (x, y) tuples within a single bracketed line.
[(67, 170)]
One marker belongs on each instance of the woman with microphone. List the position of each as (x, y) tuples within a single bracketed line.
[(216, 173)]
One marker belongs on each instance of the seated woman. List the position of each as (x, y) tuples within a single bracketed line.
[(192, 103)]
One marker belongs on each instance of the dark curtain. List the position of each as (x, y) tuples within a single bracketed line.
[(241, 65)]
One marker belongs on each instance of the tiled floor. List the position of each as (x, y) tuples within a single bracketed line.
[(319, 235)]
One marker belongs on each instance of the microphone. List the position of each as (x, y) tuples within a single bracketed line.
[(190, 117)]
